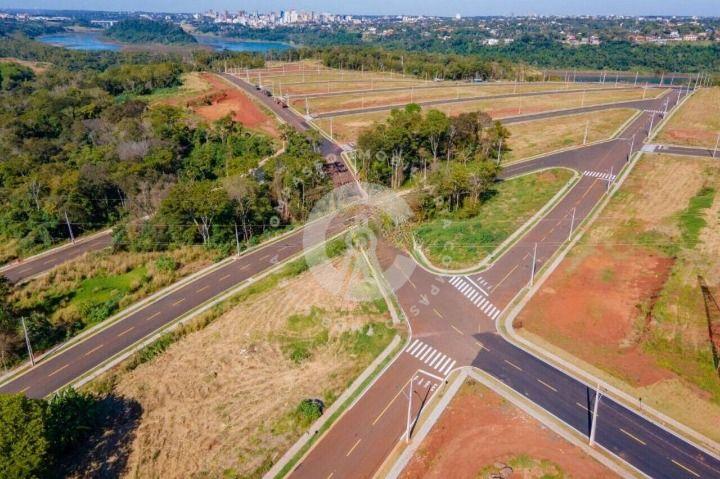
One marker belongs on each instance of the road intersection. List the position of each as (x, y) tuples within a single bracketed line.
[(453, 323)]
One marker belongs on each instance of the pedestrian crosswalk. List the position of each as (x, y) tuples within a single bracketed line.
[(476, 294), (599, 174), (431, 357)]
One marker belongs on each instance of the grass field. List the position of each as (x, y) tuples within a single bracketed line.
[(193, 85), (347, 128), (697, 123), (226, 400), (639, 319), (543, 136), (462, 242)]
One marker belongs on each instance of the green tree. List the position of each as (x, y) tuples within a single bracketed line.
[(23, 446)]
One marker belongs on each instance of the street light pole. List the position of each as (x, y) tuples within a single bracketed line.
[(593, 426), (409, 411), (532, 269), (572, 224), (27, 342), (67, 221), (237, 239), (587, 127), (717, 143), (500, 151)]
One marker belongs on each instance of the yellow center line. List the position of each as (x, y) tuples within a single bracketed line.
[(126, 331), (224, 277), (330, 475), (686, 468), (633, 437), (438, 313), (506, 277), (58, 370), (93, 350), (178, 301), (546, 385), (153, 316), (388, 404), (353, 448), (24, 389), (513, 365), (49, 261), (202, 289), (456, 329), (263, 257), (245, 267), (581, 406)]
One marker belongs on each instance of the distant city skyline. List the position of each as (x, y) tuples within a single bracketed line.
[(445, 8)]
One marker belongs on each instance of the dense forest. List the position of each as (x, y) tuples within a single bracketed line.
[(140, 30)]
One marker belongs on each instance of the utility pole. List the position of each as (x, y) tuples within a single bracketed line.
[(610, 178), (632, 146), (307, 107), (27, 342), (237, 239), (587, 127), (717, 143), (593, 425), (67, 221), (409, 411), (652, 119), (572, 224), (636, 78), (500, 151), (331, 129), (532, 269)]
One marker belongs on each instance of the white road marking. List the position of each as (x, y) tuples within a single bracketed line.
[(430, 356), (476, 294)]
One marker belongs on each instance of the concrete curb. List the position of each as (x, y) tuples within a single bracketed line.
[(356, 388), (133, 308), (506, 329), (516, 236), (609, 460)]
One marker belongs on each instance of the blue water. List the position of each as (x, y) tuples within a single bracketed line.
[(79, 41), (95, 42), (240, 45)]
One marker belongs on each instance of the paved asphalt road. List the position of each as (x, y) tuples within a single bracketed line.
[(452, 320), (23, 270), (453, 324), (356, 111), (684, 150)]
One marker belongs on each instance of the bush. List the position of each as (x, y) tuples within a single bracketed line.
[(308, 411), (166, 263)]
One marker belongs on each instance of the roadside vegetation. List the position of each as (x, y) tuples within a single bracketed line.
[(462, 238), (282, 351), (642, 319)]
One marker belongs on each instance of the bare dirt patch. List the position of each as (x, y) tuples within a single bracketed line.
[(224, 99), (480, 434), (222, 401), (626, 302)]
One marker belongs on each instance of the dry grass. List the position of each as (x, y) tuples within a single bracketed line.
[(221, 401), (127, 277), (450, 91), (543, 136), (37, 67), (347, 128), (193, 85), (654, 346), (697, 123)]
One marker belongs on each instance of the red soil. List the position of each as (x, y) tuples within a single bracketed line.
[(480, 429), (598, 317), (224, 99), (697, 135)]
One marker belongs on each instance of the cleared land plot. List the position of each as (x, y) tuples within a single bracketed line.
[(481, 436), (350, 101), (456, 243), (697, 123), (347, 128), (626, 300), (211, 98), (224, 401), (543, 136)]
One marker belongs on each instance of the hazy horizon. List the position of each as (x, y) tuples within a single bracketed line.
[(448, 8)]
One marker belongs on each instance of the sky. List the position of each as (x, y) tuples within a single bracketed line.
[(409, 7)]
